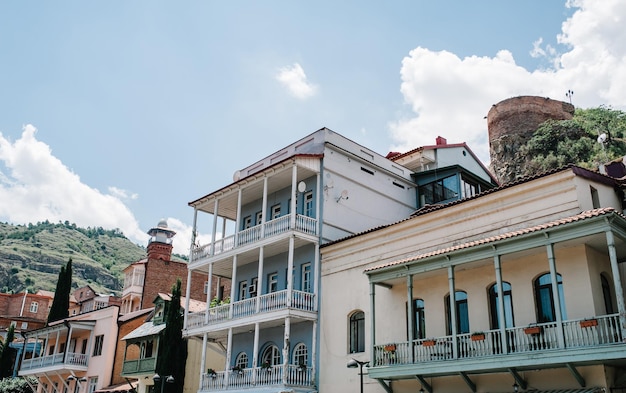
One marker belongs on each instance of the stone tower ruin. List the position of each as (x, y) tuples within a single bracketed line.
[(511, 123)]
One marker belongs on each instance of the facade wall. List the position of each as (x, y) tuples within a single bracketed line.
[(125, 327)]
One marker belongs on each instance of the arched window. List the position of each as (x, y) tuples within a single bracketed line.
[(241, 360), (419, 324), (545, 300), (462, 314), (606, 294), (300, 355), (271, 355), (494, 306), (357, 332)]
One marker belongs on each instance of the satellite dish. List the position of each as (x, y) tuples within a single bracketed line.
[(344, 194), (301, 186), (236, 176), (602, 138)]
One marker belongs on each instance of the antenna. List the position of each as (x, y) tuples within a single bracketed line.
[(569, 95)]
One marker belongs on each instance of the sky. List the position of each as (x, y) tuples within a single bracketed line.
[(117, 114)]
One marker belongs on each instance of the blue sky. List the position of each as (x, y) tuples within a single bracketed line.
[(119, 113)]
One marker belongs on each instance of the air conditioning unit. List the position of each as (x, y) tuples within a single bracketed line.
[(252, 288)]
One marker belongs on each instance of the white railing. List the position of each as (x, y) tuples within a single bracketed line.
[(258, 376), (274, 227), (72, 359), (602, 330), (300, 300)]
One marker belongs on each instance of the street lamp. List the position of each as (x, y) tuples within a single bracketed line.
[(354, 364), (168, 379)]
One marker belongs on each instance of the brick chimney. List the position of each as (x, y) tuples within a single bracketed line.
[(441, 141), (160, 245)]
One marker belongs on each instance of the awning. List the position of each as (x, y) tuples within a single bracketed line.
[(145, 330), (123, 388)]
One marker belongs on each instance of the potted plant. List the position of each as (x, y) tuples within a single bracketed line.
[(266, 366), (390, 348), (532, 329), (237, 369), (429, 342), (302, 366), (211, 373), (586, 323), (478, 336)]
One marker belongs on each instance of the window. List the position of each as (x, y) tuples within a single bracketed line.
[(494, 306), (247, 222), (468, 187), (205, 290), (419, 324), (462, 314), (83, 348), (275, 211), (545, 300), (308, 204), (93, 383), (241, 360), (253, 287), (272, 282), (305, 284), (34, 306), (595, 198), (259, 218), (97, 348), (24, 326), (300, 355), (606, 294), (271, 355), (439, 191), (243, 286), (357, 332)]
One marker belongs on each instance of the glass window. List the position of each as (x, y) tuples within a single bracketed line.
[(545, 300), (306, 278), (462, 313), (247, 222), (275, 212), (300, 355), (419, 323), (271, 355), (259, 218), (357, 332), (439, 191), (468, 187), (494, 306), (241, 360), (243, 286), (272, 282), (93, 383), (308, 204), (97, 348), (34, 306), (606, 294)]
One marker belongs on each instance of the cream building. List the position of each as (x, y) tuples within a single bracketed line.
[(551, 245)]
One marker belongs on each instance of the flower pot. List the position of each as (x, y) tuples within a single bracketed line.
[(532, 330), (588, 323), (390, 348), (428, 343), (477, 337)]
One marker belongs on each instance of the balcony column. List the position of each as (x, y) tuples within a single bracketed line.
[(555, 294), (259, 280), (264, 208), (286, 345), (229, 353), (453, 316), (315, 274), (411, 312), (213, 235), (373, 320), (318, 213), (238, 221), (294, 195), (255, 351), (290, 271), (497, 262), (313, 351), (617, 283), (187, 295), (233, 287), (202, 359), (208, 294)]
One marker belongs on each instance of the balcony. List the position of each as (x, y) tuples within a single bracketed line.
[(139, 366), (71, 361), (256, 378), (304, 224), (583, 340), (275, 301)]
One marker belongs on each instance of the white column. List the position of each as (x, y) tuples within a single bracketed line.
[(255, 351), (453, 316), (208, 293), (501, 318), (187, 295), (315, 274), (286, 346), (313, 351), (318, 204), (233, 286), (203, 360), (411, 304), (373, 320), (555, 294), (290, 271), (238, 221), (213, 234), (294, 195), (617, 283), (229, 350), (259, 280), (264, 208)]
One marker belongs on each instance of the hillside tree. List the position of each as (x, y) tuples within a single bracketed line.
[(61, 303), (7, 358), (172, 347)]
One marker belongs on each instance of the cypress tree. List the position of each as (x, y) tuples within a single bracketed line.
[(8, 354), (172, 346), (61, 302)]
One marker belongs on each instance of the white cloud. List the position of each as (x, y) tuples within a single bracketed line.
[(43, 188), (450, 96), (296, 82), (122, 194)]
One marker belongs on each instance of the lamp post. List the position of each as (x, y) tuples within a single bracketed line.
[(78, 381), (354, 364), (168, 379)]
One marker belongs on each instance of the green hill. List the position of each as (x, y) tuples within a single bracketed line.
[(31, 256)]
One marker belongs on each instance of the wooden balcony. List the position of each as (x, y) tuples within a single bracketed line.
[(249, 308), (256, 378), (579, 340), (139, 366), (67, 361), (303, 224)]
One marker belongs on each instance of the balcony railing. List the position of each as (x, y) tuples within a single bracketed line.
[(139, 366), (257, 377), (543, 337), (72, 359), (267, 229), (304, 301)]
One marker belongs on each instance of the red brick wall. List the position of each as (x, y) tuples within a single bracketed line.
[(125, 328)]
